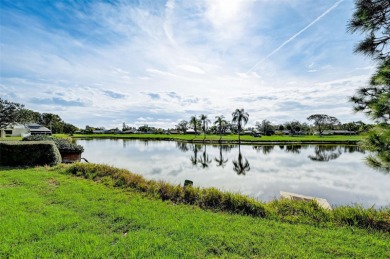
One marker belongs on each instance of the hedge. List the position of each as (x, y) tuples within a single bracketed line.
[(31, 153), (64, 145)]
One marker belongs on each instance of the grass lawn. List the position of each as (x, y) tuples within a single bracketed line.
[(228, 138), (10, 138), (44, 213)]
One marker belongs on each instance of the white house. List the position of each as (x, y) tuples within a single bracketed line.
[(16, 130)]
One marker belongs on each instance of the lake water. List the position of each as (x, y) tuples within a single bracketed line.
[(336, 173)]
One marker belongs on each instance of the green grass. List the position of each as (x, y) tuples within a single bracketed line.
[(10, 138), (45, 213), (229, 138)]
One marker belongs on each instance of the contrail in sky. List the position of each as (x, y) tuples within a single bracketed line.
[(296, 35)]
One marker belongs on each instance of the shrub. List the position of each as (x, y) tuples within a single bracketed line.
[(367, 218), (66, 146), (17, 153), (63, 145)]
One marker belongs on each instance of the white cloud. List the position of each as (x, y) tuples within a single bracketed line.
[(199, 50)]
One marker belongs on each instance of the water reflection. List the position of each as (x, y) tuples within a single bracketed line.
[(182, 146), (204, 160), (325, 153), (322, 153), (264, 149), (195, 148), (221, 161), (295, 149), (261, 171), (241, 165)]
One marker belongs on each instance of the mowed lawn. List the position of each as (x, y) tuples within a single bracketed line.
[(44, 213)]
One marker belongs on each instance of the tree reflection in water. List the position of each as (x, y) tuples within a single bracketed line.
[(352, 149), (296, 149), (325, 153), (195, 148), (204, 160), (241, 167), (221, 161), (182, 146), (266, 149)]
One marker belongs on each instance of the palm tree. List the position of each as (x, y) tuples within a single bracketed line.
[(241, 118), (241, 167), (194, 122), (205, 122), (220, 122)]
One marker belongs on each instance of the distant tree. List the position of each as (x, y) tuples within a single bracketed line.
[(322, 120), (53, 122), (89, 129), (125, 127), (69, 128), (182, 126), (205, 121), (143, 128), (355, 126), (221, 123), (194, 123), (240, 117), (264, 126), (26, 116), (281, 127), (8, 112), (293, 126)]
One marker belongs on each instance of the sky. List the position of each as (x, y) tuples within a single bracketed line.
[(155, 62)]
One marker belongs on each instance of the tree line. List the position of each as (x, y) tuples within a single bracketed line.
[(321, 122), (11, 112)]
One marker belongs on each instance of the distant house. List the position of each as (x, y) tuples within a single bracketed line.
[(247, 132), (36, 129), (130, 131), (343, 132), (16, 130), (100, 131), (190, 131)]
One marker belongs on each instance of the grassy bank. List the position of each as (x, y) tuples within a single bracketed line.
[(231, 138), (46, 213)]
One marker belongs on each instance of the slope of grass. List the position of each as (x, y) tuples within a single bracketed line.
[(230, 138), (44, 213)]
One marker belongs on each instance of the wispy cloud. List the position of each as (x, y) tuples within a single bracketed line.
[(103, 63), (296, 34)]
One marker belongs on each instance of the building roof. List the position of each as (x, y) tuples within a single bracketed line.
[(40, 129)]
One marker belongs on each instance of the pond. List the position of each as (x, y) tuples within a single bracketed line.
[(334, 172)]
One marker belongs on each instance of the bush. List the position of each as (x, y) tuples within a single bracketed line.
[(17, 153), (63, 145)]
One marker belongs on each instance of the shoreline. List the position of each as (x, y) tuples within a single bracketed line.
[(272, 140)]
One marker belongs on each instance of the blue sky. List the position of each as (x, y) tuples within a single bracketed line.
[(103, 63)]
